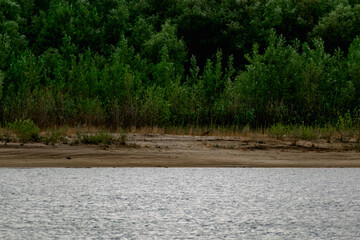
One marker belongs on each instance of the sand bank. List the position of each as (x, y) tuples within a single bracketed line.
[(148, 150)]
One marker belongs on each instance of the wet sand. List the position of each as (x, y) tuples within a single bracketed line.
[(151, 150)]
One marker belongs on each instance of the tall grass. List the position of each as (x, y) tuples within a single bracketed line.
[(25, 130)]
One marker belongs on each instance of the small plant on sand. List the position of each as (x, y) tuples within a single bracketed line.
[(246, 130), (25, 130), (356, 147), (74, 142), (54, 137), (345, 127), (6, 136), (328, 132), (101, 138), (122, 139), (278, 130), (1, 134), (304, 133)]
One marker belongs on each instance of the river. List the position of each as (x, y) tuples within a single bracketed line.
[(179, 203)]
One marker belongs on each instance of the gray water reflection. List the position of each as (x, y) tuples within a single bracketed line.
[(153, 203)]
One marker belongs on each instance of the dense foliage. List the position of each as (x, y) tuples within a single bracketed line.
[(124, 63)]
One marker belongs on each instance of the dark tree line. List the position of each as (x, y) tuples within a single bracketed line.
[(122, 63)]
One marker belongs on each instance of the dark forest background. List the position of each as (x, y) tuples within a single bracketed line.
[(123, 63)]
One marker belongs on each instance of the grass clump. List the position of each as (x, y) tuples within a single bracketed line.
[(304, 132), (5, 135), (55, 136), (101, 138), (328, 132), (279, 131), (345, 127), (296, 132), (25, 129)]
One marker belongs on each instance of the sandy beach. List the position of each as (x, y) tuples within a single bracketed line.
[(155, 150)]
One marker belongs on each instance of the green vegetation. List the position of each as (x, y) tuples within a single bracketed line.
[(101, 138), (123, 64), (26, 130), (55, 136), (343, 134)]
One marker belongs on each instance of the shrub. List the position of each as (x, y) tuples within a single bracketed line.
[(26, 130), (345, 127), (54, 137), (101, 138), (278, 130)]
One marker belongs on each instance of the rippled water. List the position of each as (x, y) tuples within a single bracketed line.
[(155, 203)]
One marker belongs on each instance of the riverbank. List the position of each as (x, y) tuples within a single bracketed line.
[(163, 150)]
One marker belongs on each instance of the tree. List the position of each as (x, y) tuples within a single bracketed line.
[(166, 38), (337, 28)]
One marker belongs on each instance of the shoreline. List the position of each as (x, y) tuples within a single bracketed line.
[(162, 150)]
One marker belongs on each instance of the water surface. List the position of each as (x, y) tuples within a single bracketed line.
[(155, 203)]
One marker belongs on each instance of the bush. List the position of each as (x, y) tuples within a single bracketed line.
[(54, 137), (345, 127), (26, 130), (278, 130), (101, 138)]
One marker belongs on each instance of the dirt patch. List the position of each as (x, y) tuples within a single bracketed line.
[(155, 150)]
